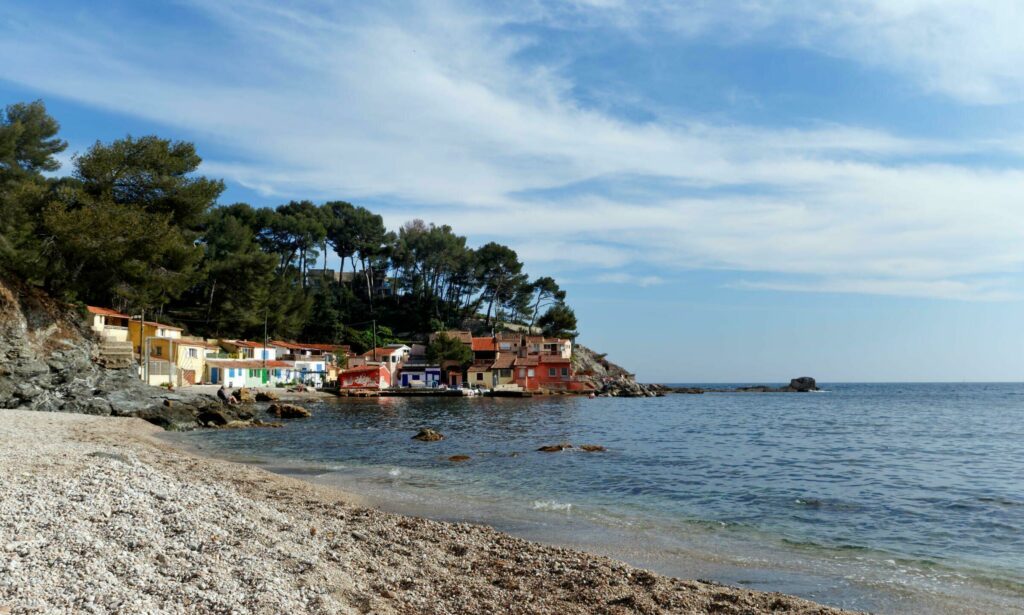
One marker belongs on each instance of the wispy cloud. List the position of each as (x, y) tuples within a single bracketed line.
[(436, 107)]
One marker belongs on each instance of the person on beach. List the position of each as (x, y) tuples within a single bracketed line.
[(222, 393)]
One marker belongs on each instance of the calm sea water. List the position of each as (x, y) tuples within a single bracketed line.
[(883, 497)]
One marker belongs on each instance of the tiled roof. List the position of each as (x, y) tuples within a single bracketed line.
[(482, 367), (381, 352), (159, 325), (526, 361), (483, 344), (246, 344), (504, 361), (102, 311)]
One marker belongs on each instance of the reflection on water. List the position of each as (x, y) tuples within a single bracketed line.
[(870, 496)]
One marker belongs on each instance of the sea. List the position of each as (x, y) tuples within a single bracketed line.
[(889, 498)]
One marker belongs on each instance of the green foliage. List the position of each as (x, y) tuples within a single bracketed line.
[(559, 321), (444, 348), (136, 227)]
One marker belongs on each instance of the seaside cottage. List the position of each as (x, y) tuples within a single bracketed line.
[(391, 356), (108, 324), (365, 377), (479, 375), (525, 371), (502, 371), (143, 335), (244, 349), (484, 349), (250, 372)]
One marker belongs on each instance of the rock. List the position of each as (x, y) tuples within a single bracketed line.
[(289, 411), (592, 448), (458, 458), (267, 396), (428, 435), (245, 395), (214, 417), (803, 384), (554, 448)]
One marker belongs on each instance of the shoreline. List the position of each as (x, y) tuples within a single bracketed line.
[(101, 514)]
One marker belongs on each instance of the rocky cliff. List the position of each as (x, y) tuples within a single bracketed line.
[(48, 362), (607, 378)]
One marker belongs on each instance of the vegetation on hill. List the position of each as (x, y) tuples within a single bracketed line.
[(135, 228)]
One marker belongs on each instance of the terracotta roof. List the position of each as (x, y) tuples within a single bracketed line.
[(247, 363), (247, 344), (483, 344), (484, 367), (526, 361), (504, 361), (102, 311), (160, 325), (381, 352)]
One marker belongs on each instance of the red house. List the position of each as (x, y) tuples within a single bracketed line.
[(365, 377)]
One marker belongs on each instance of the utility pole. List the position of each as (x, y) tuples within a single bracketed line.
[(266, 376), (374, 340)]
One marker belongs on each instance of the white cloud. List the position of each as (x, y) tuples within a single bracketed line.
[(965, 49), (431, 104), (642, 281)]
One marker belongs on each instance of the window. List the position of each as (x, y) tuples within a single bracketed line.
[(565, 371), (231, 372), (480, 376), (193, 353), (522, 372), (529, 372), (552, 372), (505, 346), (159, 351), (415, 376)]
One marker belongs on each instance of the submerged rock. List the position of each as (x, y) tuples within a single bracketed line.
[(554, 448), (289, 411), (458, 458), (428, 435), (592, 448)]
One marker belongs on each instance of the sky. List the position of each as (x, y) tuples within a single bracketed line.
[(730, 191)]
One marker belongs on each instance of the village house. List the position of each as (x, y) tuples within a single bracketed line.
[(108, 324), (312, 361), (250, 372), (179, 361), (244, 349), (142, 336), (502, 371), (536, 346), (391, 356)]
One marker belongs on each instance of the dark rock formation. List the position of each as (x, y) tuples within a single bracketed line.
[(803, 384), (458, 458), (267, 396), (50, 362), (626, 386), (428, 435), (289, 411), (554, 448), (592, 448)]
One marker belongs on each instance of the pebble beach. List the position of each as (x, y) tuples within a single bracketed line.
[(98, 515)]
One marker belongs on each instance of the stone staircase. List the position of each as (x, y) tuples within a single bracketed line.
[(115, 354)]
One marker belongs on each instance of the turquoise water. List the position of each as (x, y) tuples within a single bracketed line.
[(891, 498)]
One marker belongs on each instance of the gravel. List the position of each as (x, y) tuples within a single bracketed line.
[(99, 516)]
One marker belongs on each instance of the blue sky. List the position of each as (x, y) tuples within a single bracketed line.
[(738, 190)]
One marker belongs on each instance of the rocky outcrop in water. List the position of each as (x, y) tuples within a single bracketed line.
[(50, 363), (803, 384), (289, 411), (428, 435)]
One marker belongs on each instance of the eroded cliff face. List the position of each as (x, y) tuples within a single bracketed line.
[(48, 363), (608, 379)]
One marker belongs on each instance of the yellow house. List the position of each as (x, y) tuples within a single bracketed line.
[(501, 371), (480, 376), (149, 335)]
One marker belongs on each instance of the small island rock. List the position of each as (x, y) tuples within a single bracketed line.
[(803, 384), (428, 435)]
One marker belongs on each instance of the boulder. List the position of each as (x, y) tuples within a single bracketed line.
[(428, 435), (245, 395), (267, 396), (592, 448), (803, 384), (213, 418), (554, 448), (289, 411)]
